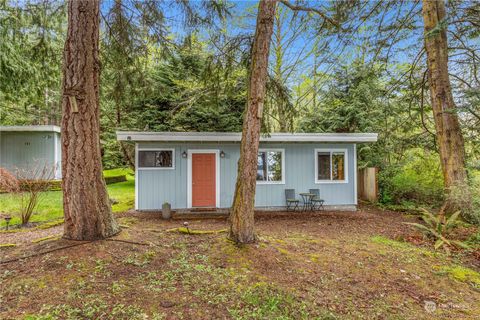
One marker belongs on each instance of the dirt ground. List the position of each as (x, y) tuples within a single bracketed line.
[(27, 236), (324, 265)]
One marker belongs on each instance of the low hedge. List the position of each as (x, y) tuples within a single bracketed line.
[(56, 185), (115, 179)]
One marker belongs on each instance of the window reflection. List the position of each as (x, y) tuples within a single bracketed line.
[(269, 166)]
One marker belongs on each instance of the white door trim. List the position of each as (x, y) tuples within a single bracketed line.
[(189, 174)]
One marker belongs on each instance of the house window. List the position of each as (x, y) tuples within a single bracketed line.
[(156, 159), (330, 166), (270, 166)]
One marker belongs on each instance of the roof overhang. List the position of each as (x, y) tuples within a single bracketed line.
[(40, 128), (236, 137)]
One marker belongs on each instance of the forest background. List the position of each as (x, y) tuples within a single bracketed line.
[(176, 66)]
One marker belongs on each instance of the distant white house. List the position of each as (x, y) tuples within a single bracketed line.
[(29, 148), (199, 169)]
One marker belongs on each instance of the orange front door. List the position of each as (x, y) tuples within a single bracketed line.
[(203, 180)]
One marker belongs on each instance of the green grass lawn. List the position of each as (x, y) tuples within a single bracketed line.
[(50, 206)]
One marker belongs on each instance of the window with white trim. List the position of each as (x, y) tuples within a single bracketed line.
[(270, 167), (156, 159), (330, 165)]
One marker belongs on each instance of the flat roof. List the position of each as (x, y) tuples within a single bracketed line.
[(236, 137), (41, 128)]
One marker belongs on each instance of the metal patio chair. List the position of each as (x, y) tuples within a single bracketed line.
[(291, 201), (317, 202)]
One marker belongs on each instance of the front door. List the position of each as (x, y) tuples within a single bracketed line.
[(203, 180)]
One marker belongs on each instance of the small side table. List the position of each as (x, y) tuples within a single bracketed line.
[(307, 200)]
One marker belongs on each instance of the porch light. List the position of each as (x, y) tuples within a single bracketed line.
[(184, 154), (7, 220), (222, 154)]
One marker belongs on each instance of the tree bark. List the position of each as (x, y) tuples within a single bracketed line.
[(86, 204), (242, 212), (126, 155), (448, 131), (278, 71)]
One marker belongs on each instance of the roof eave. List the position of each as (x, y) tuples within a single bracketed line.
[(39, 128), (236, 137)]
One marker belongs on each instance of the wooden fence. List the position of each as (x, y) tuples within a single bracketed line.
[(367, 187)]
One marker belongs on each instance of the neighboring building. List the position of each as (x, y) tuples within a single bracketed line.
[(190, 170), (29, 149)]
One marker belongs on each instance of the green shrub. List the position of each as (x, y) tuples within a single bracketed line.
[(467, 199), (417, 179), (110, 176)]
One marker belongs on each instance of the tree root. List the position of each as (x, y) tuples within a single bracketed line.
[(44, 252), (127, 241), (195, 232)]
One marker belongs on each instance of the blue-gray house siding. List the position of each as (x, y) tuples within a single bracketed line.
[(154, 187), (28, 151)]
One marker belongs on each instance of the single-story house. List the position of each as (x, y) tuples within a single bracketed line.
[(199, 169), (29, 150)]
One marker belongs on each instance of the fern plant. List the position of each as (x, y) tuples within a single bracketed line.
[(439, 228)]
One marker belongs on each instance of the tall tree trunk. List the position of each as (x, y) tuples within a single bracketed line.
[(127, 155), (86, 205), (242, 212), (278, 72), (315, 67), (448, 131)]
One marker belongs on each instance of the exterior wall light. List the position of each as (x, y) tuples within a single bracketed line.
[(184, 154), (222, 154)]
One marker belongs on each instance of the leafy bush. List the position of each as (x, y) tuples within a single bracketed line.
[(467, 199), (417, 179)]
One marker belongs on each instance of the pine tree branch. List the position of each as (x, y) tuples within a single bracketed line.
[(308, 9)]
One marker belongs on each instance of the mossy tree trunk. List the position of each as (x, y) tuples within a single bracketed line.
[(448, 132), (242, 212), (86, 204)]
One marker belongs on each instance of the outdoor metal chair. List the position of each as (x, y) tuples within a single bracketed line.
[(317, 202), (291, 201)]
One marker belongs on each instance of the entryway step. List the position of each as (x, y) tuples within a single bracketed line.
[(203, 209)]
